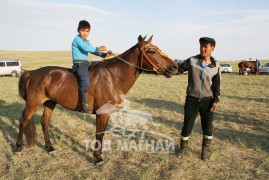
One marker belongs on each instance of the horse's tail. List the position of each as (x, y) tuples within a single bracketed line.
[(22, 83), (30, 129)]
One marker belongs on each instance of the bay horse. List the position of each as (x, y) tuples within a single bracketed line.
[(110, 79), (248, 64)]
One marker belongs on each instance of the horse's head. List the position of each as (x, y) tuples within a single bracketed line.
[(153, 58)]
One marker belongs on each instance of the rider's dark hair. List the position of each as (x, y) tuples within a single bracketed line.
[(83, 24)]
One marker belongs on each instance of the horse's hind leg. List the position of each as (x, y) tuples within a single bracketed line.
[(48, 110), (26, 117)]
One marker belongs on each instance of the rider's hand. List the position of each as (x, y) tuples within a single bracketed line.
[(102, 48), (109, 53)]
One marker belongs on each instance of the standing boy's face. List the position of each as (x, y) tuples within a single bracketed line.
[(206, 49), (84, 33)]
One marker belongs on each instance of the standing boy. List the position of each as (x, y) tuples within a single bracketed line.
[(202, 94)]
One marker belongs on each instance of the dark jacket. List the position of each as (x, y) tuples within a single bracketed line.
[(202, 81)]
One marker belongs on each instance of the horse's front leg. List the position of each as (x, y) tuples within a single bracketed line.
[(101, 123)]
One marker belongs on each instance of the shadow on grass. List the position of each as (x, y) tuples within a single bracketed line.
[(10, 130), (57, 133), (168, 123), (263, 100), (161, 104), (13, 113), (77, 115), (261, 126), (251, 140)]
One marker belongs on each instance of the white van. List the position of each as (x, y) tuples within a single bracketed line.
[(226, 68), (10, 67)]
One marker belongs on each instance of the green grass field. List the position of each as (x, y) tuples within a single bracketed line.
[(240, 146)]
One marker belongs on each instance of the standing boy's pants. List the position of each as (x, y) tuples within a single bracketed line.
[(191, 109), (82, 70)]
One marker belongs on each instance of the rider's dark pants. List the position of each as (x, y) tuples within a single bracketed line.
[(81, 69), (191, 109)]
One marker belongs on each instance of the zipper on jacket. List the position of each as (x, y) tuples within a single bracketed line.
[(202, 82)]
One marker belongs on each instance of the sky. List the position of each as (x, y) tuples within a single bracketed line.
[(240, 27)]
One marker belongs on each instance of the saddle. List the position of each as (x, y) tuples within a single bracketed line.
[(91, 65)]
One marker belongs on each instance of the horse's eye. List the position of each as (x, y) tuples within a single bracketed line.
[(151, 52)]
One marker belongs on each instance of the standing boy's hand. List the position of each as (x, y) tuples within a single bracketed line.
[(214, 107)]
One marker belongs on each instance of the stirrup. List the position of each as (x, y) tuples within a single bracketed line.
[(86, 109)]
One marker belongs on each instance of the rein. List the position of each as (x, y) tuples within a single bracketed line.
[(155, 67)]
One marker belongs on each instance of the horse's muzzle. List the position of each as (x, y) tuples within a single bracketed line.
[(172, 70)]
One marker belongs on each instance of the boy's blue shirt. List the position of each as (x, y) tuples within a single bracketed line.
[(81, 47)]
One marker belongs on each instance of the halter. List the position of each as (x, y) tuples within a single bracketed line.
[(155, 67)]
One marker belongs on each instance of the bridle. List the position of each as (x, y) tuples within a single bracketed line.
[(143, 54), (155, 67)]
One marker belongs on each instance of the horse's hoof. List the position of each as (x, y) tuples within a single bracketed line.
[(17, 153), (18, 150), (53, 152), (50, 149), (99, 162)]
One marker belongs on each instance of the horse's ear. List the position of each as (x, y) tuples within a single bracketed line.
[(150, 39), (140, 38), (140, 41), (145, 37)]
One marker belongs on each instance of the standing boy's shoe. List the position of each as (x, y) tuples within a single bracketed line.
[(182, 149), (205, 148)]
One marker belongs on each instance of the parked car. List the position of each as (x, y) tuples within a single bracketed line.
[(10, 67), (264, 69), (226, 68)]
